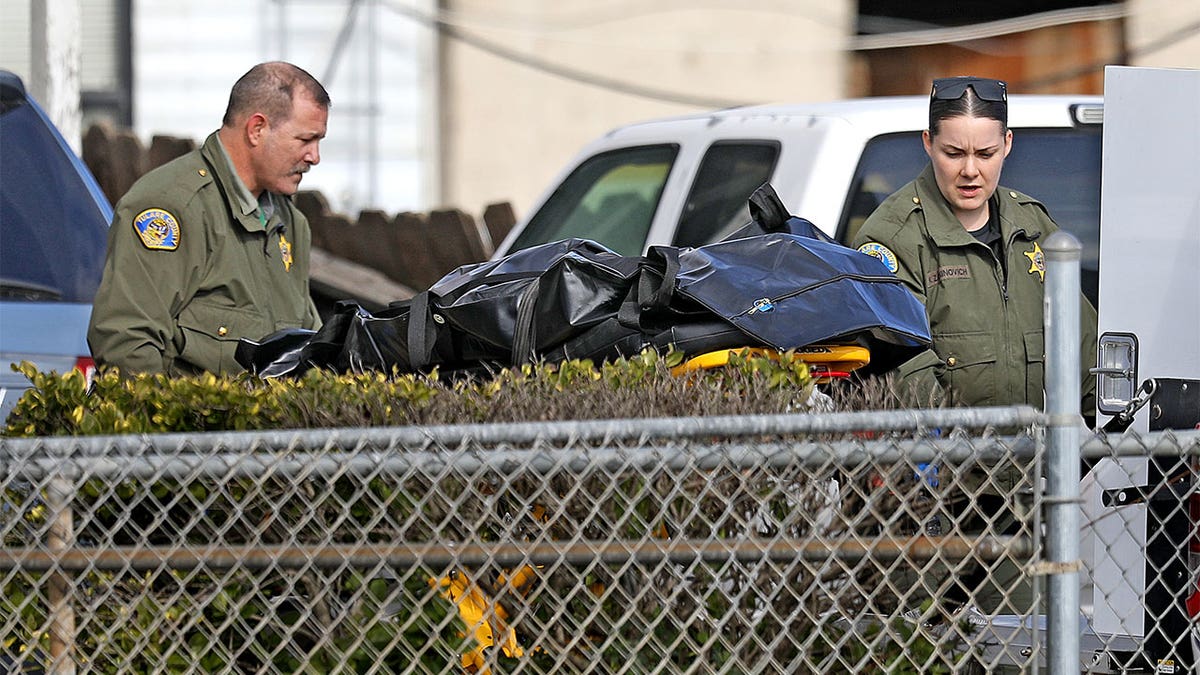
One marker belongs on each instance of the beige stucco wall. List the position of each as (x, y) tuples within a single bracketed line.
[(507, 128), (1163, 33)]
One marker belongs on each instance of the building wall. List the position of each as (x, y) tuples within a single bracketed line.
[(485, 100), (99, 44), (507, 127), (1065, 59), (375, 63), (1163, 33), (380, 152)]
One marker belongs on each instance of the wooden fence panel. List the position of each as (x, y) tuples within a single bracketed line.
[(315, 207), (454, 239), (130, 164), (166, 148), (411, 249), (115, 157), (98, 156), (499, 219), (418, 268), (336, 237), (374, 244)]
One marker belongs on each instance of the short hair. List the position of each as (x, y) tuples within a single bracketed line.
[(270, 88), (967, 105)]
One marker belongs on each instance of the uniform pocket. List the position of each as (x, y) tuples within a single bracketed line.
[(970, 360), (211, 331), (1035, 367)]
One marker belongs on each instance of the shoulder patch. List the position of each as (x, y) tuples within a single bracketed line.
[(876, 250), (158, 229)]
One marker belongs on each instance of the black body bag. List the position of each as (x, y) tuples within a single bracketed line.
[(778, 282)]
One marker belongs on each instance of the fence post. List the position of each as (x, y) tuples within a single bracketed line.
[(1062, 251), (60, 538)]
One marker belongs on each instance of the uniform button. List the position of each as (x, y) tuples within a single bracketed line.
[(916, 200), (951, 361), (1013, 195), (222, 331), (203, 172)]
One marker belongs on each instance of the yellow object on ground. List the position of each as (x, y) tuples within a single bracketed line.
[(486, 617), (826, 361)]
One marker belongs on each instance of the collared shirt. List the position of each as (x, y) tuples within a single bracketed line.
[(249, 205), (989, 234)]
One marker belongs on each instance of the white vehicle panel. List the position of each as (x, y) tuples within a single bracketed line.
[(820, 147), (1150, 219), (1150, 242)]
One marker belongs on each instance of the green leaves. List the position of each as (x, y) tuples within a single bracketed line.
[(639, 386)]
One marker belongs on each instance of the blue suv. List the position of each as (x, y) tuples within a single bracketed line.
[(53, 232)]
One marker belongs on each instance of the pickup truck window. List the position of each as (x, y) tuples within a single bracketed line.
[(727, 176), (1060, 167), (610, 198)]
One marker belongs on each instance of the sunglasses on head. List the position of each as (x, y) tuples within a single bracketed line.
[(952, 88)]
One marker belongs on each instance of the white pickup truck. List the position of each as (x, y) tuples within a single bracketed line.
[(684, 181)]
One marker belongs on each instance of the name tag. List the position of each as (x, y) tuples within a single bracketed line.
[(950, 272)]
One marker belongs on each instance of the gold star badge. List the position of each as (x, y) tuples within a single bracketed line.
[(285, 248), (1037, 261)]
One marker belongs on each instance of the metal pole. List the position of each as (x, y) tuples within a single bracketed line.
[(1062, 251), (60, 540), (232, 464), (56, 51), (522, 433), (373, 111), (441, 554)]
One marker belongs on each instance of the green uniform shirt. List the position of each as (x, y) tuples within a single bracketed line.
[(193, 265), (985, 317)]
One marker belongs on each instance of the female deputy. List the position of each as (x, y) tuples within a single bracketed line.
[(971, 252)]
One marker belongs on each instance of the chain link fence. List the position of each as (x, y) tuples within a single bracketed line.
[(856, 542)]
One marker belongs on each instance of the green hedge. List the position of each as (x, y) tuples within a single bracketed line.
[(641, 386)]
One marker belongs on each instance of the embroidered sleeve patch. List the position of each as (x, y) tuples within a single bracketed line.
[(158, 229), (882, 252)]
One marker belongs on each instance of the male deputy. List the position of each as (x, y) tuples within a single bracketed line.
[(209, 247)]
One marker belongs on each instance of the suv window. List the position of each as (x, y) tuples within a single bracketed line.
[(717, 203), (52, 226), (1060, 167), (610, 198)]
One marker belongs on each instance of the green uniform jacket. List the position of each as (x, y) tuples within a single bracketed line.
[(988, 344), (187, 272)]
